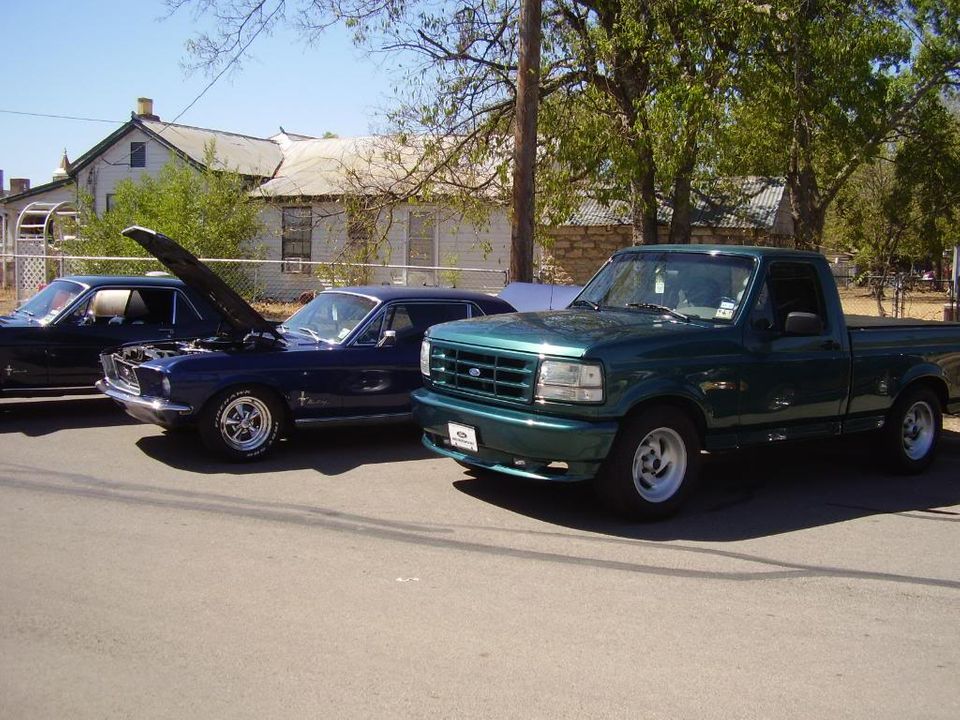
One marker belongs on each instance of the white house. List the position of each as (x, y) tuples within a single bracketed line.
[(311, 186)]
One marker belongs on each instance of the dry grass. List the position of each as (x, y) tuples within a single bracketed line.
[(920, 305), (275, 310)]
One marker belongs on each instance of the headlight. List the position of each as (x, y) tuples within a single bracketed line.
[(570, 382), (165, 386), (425, 358)]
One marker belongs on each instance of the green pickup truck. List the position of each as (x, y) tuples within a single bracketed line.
[(673, 351)]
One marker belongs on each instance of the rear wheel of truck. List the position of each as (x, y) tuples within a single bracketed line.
[(654, 465), (242, 424), (912, 430)]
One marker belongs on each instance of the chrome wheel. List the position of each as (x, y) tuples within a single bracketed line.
[(918, 430), (245, 423), (659, 465)]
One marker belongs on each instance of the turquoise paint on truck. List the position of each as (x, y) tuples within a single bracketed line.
[(733, 346)]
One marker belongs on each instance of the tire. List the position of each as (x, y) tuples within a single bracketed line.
[(242, 424), (912, 431), (654, 465)]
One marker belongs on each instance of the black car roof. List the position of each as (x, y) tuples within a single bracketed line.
[(132, 280), (385, 293)]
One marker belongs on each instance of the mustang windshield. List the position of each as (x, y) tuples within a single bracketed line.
[(47, 304), (330, 316), (684, 285)]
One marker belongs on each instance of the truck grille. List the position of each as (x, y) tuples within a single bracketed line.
[(487, 373)]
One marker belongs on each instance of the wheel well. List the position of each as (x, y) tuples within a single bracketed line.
[(685, 405), (284, 407), (937, 385)]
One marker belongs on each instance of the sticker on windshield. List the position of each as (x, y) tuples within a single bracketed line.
[(724, 313), (343, 333)]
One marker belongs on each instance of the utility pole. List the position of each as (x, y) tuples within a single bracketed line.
[(525, 143)]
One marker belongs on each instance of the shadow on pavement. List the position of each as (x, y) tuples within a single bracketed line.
[(752, 494), (36, 417), (331, 451)]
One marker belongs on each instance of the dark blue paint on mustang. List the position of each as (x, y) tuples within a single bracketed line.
[(350, 356)]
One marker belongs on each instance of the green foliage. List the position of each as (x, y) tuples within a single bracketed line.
[(904, 207), (207, 211)]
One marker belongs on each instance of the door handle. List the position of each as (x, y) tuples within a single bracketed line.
[(830, 345)]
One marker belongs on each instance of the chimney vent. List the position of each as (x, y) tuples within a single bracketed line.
[(19, 185), (145, 109)]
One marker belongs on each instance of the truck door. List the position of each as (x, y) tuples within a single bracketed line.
[(793, 385)]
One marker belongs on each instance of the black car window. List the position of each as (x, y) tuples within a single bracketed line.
[(184, 312), (150, 306), (125, 306), (410, 320)]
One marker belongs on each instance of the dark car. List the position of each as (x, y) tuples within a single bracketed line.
[(51, 344), (351, 355)]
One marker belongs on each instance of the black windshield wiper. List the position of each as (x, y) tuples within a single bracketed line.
[(661, 309), (583, 301)]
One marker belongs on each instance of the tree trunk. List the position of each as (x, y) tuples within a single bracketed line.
[(807, 209), (680, 223)]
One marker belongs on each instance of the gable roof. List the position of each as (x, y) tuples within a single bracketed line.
[(245, 154), (749, 203)]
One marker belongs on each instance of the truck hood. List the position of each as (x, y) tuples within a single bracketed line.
[(234, 309), (564, 333)]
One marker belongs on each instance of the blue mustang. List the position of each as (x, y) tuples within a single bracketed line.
[(349, 356)]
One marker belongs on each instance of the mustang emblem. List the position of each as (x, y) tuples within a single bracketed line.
[(473, 372)]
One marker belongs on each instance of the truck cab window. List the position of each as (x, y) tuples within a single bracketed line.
[(789, 287)]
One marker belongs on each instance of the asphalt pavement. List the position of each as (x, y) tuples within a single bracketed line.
[(354, 575)]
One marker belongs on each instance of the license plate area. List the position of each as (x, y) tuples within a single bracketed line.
[(462, 437)]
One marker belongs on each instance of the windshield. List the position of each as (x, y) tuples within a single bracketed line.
[(47, 304), (330, 316), (701, 286)]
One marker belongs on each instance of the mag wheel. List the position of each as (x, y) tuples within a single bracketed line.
[(242, 424), (654, 465), (912, 430)]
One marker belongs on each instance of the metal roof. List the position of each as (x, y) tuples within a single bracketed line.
[(748, 202), (244, 154)]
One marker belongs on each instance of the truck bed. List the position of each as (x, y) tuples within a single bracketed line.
[(865, 322)]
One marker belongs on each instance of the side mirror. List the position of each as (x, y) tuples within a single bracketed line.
[(388, 339), (802, 323)]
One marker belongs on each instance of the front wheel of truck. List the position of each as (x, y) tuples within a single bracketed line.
[(654, 464), (912, 430)]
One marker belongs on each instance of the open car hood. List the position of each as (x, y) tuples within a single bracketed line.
[(235, 310)]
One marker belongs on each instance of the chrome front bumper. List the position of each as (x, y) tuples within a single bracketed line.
[(158, 406)]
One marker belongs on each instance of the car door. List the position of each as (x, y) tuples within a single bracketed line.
[(383, 363), (792, 385), (105, 318)]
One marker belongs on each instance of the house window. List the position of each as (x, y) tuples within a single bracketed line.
[(138, 154), (296, 240), (422, 247)]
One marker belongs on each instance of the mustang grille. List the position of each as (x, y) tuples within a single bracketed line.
[(121, 373), (487, 373)]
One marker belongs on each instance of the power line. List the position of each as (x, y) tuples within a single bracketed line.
[(61, 117)]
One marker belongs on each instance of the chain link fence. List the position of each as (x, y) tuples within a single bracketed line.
[(262, 282), (896, 296)]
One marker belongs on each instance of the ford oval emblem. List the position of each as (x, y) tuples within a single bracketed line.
[(473, 372)]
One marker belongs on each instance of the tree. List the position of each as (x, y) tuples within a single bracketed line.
[(836, 82), (631, 90), (209, 212), (904, 206)]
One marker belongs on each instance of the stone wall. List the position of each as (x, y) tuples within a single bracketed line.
[(575, 253)]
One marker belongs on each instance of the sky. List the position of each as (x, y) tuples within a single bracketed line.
[(94, 58)]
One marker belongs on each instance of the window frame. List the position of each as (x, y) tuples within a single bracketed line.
[(431, 275), (138, 152), (292, 263)]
